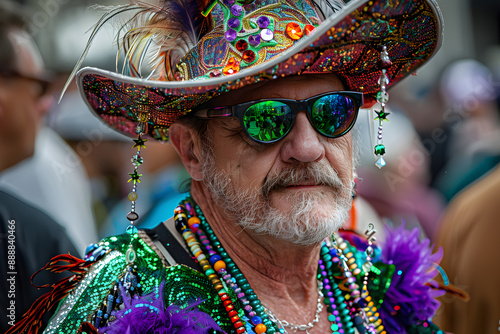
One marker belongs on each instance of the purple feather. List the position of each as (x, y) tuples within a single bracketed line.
[(147, 314), (409, 300)]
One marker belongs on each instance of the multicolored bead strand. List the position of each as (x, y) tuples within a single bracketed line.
[(182, 226), (363, 310), (252, 304), (346, 279), (375, 323), (334, 299), (382, 98), (220, 267)]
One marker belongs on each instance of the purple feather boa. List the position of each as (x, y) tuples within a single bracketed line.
[(409, 300), (147, 314)]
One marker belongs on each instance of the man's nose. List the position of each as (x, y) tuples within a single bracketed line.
[(303, 143)]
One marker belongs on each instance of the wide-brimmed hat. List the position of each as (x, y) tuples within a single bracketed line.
[(246, 42)]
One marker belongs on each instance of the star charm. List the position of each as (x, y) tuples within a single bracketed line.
[(139, 142), (135, 177), (381, 116)]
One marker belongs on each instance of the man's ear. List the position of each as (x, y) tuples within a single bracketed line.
[(187, 143)]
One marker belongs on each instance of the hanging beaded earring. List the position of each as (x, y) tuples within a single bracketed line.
[(382, 98), (135, 178)]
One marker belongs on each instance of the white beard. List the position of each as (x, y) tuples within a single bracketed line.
[(308, 222)]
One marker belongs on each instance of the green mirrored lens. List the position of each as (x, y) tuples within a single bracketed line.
[(267, 121), (333, 114)]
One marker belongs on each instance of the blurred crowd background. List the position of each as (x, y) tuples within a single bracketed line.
[(442, 140)]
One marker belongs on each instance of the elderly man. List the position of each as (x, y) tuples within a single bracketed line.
[(258, 98)]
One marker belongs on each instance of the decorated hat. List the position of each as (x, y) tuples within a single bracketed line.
[(203, 49)]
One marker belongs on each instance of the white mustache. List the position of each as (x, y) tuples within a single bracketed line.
[(314, 174)]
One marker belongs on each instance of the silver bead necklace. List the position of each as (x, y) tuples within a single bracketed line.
[(283, 324)]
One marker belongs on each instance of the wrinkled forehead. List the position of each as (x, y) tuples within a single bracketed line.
[(296, 87)]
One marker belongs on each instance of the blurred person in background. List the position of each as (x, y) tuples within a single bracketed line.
[(28, 237), (426, 111), (469, 94), (468, 229), (469, 237), (53, 179), (458, 123)]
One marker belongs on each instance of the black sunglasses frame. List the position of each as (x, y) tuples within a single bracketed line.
[(43, 82), (238, 111)]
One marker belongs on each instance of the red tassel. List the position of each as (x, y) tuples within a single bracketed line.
[(88, 328), (76, 265), (31, 321)]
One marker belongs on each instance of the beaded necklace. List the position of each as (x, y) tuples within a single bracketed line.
[(283, 323), (349, 308)]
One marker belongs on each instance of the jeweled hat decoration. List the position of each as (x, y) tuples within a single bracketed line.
[(246, 37), (243, 42)]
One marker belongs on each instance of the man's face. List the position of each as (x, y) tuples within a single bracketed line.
[(297, 189), (20, 100)]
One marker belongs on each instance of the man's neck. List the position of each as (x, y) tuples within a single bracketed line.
[(279, 272)]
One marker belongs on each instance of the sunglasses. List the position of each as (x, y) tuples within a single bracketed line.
[(267, 121), (43, 83)]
